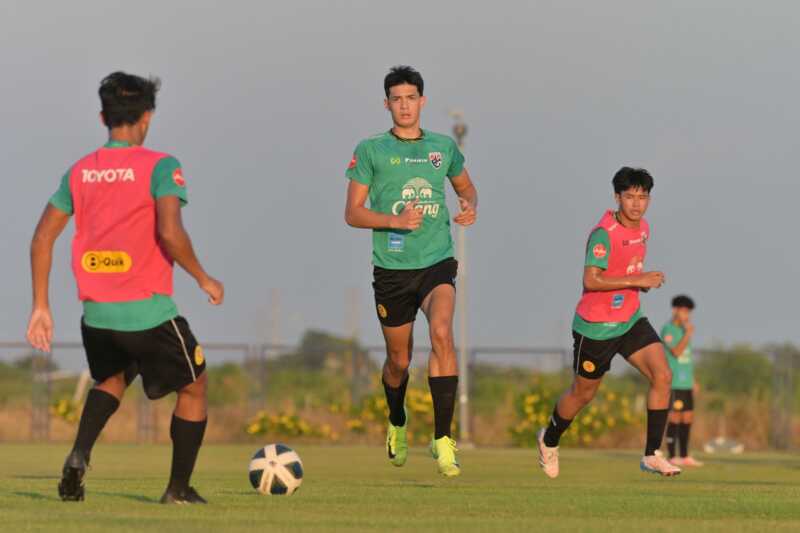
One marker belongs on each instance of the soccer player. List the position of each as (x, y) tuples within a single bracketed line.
[(402, 172), (608, 321), (127, 202), (677, 336)]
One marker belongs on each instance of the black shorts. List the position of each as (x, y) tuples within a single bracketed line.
[(681, 400), (400, 293), (167, 357), (592, 358)]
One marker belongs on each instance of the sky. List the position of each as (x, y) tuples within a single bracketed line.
[(263, 103)]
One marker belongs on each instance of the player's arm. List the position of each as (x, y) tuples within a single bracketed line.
[(467, 198), (357, 215), (680, 347), (176, 242), (40, 326)]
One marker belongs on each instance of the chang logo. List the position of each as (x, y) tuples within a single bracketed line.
[(417, 189)]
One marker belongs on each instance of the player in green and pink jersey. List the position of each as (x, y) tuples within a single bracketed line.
[(608, 321), (402, 172)]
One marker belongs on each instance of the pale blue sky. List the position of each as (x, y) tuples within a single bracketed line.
[(263, 102)]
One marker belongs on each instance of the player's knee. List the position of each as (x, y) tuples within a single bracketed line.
[(442, 335), (197, 389), (398, 361), (662, 378)]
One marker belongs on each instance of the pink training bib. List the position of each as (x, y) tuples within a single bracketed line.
[(626, 257), (116, 256)]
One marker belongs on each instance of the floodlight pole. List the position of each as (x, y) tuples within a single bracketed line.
[(459, 132)]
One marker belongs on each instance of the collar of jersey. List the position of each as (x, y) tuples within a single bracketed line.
[(402, 140), (117, 144)]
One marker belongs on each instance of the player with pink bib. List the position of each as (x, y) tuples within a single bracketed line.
[(127, 202), (609, 321)]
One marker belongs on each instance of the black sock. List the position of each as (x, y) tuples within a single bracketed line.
[(672, 436), (683, 438), (555, 429), (99, 407), (396, 400), (656, 421), (443, 392), (187, 436)]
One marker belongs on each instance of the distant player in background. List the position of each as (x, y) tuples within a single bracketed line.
[(677, 336), (127, 203), (609, 321), (402, 172)]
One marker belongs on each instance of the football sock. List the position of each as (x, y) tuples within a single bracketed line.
[(396, 399), (555, 429), (656, 421), (99, 407), (683, 438), (672, 437), (443, 392), (187, 436)]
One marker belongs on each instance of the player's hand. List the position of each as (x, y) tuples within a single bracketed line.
[(468, 214), (40, 329), (688, 328), (652, 280), (410, 218), (214, 289)]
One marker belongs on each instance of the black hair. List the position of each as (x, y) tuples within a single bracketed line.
[(632, 178), (125, 98), (403, 74), (683, 301)]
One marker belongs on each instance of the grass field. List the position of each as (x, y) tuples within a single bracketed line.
[(355, 488)]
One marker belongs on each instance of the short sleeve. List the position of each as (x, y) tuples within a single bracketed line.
[(456, 161), (62, 199), (669, 337), (168, 180), (598, 248), (360, 168)]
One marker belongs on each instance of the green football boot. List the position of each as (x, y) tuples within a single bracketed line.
[(397, 443), (444, 451)]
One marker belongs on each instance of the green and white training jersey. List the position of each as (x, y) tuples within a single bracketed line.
[(400, 171)]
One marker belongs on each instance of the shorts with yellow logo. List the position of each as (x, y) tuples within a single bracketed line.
[(168, 357), (592, 358), (681, 400), (399, 293)]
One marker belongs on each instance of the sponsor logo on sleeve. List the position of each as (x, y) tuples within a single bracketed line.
[(353, 163), (177, 177), (668, 339), (106, 262), (600, 250)]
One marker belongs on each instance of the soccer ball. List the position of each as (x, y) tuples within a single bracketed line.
[(276, 469)]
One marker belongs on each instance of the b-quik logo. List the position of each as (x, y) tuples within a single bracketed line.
[(106, 262), (420, 190)]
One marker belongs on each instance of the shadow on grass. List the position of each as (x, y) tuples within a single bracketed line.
[(133, 497), (42, 476), (35, 496)]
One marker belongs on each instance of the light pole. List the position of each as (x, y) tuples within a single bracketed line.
[(459, 132)]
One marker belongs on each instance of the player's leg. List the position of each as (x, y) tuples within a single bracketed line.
[(687, 418), (187, 430), (399, 348), (673, 422), (591, 360), (439, 307), (652, 363), (113, 371)]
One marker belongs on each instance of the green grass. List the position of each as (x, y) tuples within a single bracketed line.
[(355, 488)]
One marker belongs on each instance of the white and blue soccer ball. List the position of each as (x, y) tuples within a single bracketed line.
[(276, 469)]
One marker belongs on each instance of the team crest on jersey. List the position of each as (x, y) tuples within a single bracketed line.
[(436, 159), (353, 162), (599, 250), (177, 177)]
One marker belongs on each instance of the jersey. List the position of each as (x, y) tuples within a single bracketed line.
[(397, 172), (619, 251), (682, 367), (115, 294)]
